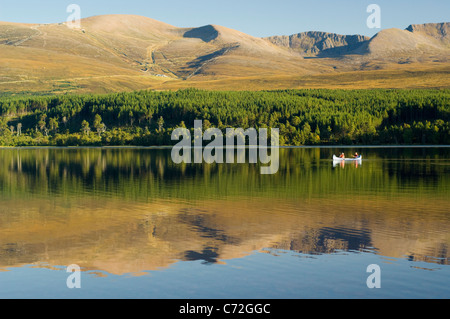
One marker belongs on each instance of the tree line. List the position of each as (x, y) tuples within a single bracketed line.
[(304, 117)]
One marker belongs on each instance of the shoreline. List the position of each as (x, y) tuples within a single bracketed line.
[(170, 147)]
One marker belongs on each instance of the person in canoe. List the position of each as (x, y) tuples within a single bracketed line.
[(342, 156), (355, 155)]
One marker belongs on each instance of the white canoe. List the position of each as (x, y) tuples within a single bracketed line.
[(338, 159)]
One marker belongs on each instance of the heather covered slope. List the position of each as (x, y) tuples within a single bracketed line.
[(416, 42), (126, 52)]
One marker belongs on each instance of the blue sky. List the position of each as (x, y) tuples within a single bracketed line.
[(256, 17)]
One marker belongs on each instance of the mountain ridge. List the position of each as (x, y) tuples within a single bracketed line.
[(108, 50), (313, 43)]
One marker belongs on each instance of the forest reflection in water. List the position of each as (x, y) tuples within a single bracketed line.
[(129, 210)]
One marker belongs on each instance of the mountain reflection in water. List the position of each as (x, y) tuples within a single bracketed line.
[(132, 210)]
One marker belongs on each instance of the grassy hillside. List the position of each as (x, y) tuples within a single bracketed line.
[(116, 53)]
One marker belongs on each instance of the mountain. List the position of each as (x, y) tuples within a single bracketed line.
[(415, 41), (127, 52), (438, 31), (319, 43)]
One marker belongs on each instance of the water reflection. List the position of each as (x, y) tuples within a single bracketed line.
[(131, 210), (341, 164)]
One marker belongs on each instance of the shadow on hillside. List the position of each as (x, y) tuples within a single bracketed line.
[(206, 33)]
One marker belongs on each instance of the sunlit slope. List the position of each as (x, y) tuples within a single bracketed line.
[(396, 43), (128, 52), (56, 58)]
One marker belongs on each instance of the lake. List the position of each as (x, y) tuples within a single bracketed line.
[(140, 226)]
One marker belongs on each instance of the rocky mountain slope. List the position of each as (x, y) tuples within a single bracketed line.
[(319, 43)]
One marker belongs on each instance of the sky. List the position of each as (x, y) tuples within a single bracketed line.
[(258, 18)]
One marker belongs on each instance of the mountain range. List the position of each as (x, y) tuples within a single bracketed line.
[(112, 53)]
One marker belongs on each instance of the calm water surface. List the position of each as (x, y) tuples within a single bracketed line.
[(141, 226)]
